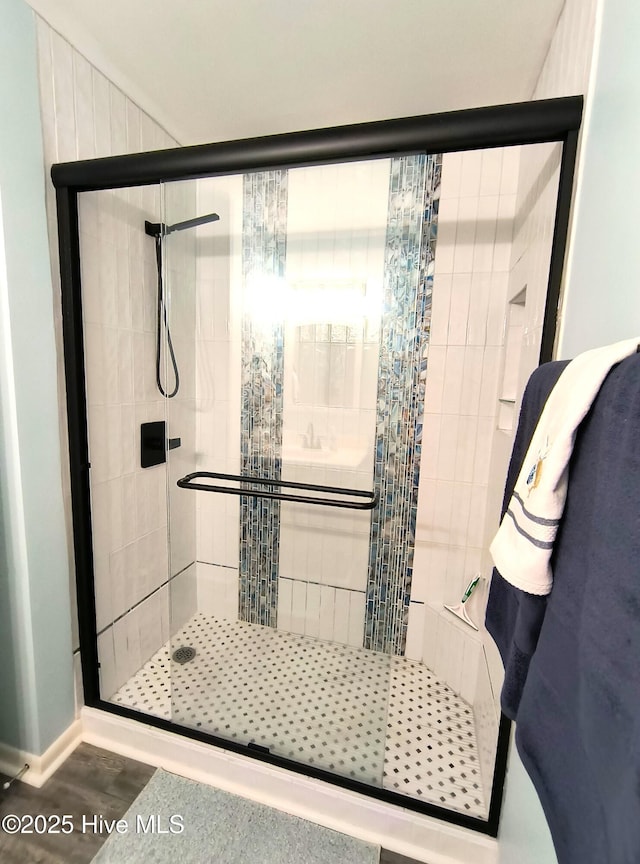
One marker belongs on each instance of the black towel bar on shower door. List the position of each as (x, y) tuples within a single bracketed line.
[(371, 498)]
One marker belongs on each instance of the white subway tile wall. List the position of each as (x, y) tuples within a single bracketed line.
[(218, 391), (498, 206), (565, 73), (335, 261), (486, 709), (123, 646), (337, 242), (321, 611), (129, 504), (465, 453), (84, 116), (525, 283), (568, 62), (217, 591), (464, 362)]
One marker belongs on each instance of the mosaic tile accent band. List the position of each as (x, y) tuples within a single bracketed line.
[(264, 239), (414, 193)]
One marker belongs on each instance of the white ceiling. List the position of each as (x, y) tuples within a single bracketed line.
[(213, 70)]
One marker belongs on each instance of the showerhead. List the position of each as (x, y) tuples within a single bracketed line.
[(193, 223), (155, 229)]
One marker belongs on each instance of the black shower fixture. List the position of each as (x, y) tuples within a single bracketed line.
[(158, 230)]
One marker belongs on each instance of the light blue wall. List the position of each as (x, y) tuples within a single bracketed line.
[(524, 834), (603, 292), (36, 679)]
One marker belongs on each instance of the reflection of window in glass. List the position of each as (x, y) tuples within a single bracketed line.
[(335, 332), (512, 357)]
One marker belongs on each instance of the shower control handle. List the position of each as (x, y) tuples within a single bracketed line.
[(154, 443)]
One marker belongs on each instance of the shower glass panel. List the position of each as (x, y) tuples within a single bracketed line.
[(128, 501), (287, 320), (356, 334)]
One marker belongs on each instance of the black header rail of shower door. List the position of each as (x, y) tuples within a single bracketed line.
[(371, 498), (531, 122)]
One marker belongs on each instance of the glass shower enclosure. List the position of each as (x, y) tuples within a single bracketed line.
[(293, 372)]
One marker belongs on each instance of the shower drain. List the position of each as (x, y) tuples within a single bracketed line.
[(184, 654)]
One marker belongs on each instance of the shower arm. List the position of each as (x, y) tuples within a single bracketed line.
[(371, 498), (160, 229)]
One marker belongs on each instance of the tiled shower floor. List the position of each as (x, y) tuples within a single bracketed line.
[(386, 721)]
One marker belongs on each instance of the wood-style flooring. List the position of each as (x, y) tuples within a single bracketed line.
[(90, 782)]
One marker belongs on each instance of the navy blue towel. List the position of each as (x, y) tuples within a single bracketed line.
[(578, 718), (514, 617)]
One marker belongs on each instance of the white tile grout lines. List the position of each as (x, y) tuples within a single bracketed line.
[(384, 720)]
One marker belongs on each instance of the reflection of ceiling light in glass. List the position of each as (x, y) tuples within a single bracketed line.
[(271, 299), (266, 299), (334, 302)]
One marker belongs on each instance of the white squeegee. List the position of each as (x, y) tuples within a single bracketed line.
[(460, 610)]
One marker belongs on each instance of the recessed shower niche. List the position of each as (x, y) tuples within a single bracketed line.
[(320, 338)]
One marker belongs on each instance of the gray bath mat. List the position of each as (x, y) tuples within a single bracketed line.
[(222, 829)]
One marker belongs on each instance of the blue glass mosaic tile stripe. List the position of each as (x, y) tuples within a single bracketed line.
[(414, 192), (264, 236)]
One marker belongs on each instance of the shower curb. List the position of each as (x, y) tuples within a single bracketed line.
[(408, 833)]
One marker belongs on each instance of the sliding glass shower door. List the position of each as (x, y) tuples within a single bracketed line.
[(270, 602), (288, 450), (125, 416)]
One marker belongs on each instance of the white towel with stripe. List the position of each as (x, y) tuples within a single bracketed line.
[(522, 548)]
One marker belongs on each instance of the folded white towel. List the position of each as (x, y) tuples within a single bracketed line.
[(522, 548)]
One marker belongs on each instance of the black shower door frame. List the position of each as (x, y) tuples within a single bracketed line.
[(538, 122)]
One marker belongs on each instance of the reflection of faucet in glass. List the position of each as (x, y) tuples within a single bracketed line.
[(310, 442)]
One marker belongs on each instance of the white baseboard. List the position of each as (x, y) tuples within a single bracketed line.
[(40, 767), (399, 830)]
